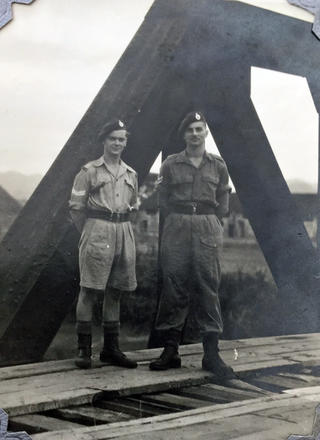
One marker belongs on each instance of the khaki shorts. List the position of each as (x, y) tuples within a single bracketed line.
[(107, 255)]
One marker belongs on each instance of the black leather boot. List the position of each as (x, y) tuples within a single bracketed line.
[(169, 358), (84, 351), (111, 352), (212, 361)]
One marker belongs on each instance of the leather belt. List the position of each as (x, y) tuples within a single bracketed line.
[(115, 217), (193, 209)]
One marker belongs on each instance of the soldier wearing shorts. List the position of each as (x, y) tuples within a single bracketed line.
[(103, 195), (194, 196)]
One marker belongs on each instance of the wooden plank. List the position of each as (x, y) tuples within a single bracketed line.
[(269, 346), (21, 396), (134, 408), (261, 365), (216, 393), (21, 403), (289, 382), (91, 414), (246, 386), (303, 391), (283, 380), (50, 392), (33, 423), (303, 414), (205, 395), (231, 392), (175, 401), (268, 385), (246, 425), (300, 378), (184, 419)]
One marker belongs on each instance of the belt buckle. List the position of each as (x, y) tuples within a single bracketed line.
[(118, 216), (194, 208)]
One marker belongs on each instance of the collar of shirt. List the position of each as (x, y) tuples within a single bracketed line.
[(183, 157), (123, 168)]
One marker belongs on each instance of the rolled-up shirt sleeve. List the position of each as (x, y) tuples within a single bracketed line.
[(223, 192)]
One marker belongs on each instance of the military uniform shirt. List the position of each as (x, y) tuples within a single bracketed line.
[(106, 249), (183, 183), (95, 187), (190, 244)]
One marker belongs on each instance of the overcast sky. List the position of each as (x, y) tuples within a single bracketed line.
[(56, 54)]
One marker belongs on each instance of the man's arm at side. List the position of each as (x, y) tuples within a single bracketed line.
[(163, 188), (134, 203), (223, 192), (78, 199)]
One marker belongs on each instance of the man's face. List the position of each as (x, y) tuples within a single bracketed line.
[(115, 142), (195, 134)]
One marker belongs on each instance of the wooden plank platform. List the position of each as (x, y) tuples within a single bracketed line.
[(222, 421), (280, 376)]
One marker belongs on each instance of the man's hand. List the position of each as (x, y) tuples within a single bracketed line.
[(78, 218)]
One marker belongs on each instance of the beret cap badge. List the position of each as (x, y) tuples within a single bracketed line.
[(189, 119), (113, 124)]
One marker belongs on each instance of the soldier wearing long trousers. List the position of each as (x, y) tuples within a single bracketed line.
[(103, 195), (193, 196)]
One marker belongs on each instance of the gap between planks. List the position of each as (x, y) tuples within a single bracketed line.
[(178, 420)]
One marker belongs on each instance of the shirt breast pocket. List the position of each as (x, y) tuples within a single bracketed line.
[(209, 187), (99, 184), (128, 191), (181, 187), (181, 179)]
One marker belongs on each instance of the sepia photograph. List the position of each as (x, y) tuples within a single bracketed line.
[(159, 212)]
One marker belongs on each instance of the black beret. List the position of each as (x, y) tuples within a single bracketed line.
[(113, 124), (189, 119)]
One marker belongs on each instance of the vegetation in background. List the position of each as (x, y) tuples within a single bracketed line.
[(249, 305)]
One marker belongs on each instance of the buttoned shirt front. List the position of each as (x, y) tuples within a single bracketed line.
[(96, 187), (183, 183)]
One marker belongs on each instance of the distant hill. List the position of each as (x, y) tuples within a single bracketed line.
[(18, 185), (9, 209), (21, 186)]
